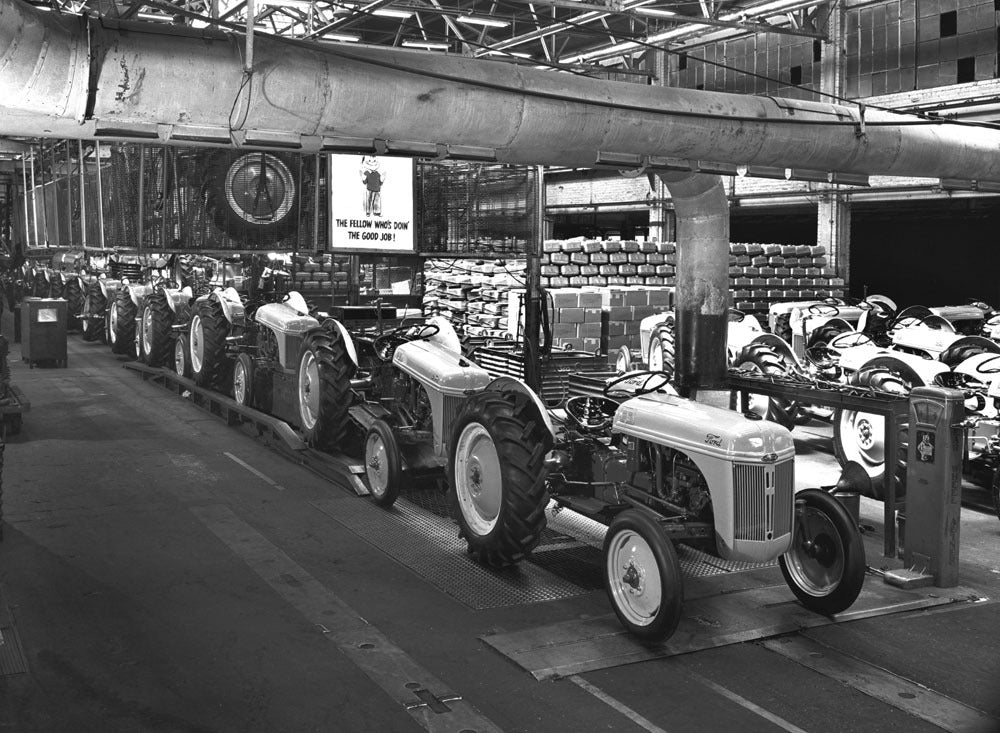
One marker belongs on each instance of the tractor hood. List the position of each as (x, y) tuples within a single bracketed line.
[(697, 428), (931, 341), (439, 368), (283, 318)]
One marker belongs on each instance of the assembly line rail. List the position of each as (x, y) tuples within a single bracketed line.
[(275, 432)]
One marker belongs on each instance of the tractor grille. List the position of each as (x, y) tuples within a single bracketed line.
[(450, 407), (763, 497)]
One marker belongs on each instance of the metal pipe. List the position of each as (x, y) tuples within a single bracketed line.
[(180, 85), (34, 197), (100, 193), (24, 178), (69, 195), (702, 291), (83, 197)]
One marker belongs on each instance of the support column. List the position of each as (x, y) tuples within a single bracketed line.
[(833, 229), (702, 294)]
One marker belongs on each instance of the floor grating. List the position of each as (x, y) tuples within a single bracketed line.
[(11, 655)]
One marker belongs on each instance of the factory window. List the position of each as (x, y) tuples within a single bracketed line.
[(796, 75), (818, 49), (949, 23), (682, 61), (966, 69)]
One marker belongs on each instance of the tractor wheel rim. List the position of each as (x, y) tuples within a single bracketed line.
[(113, 320), (197, 344), (478, 482), (240, 383), (179, 357), (147, 329), (817, 563), (309, 390), (376, 464), (865, 442), (633, 577)]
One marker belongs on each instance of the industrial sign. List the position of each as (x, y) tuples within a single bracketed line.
[(371, 204)]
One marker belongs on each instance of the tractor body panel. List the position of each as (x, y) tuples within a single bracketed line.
[(288, 326)]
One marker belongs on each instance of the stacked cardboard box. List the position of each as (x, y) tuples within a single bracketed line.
[(313, 275), (761, 274), (588, 262)]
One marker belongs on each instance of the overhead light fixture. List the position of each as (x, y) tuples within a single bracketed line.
[(655, 12), (153, 16), (518, 54), (304, 4), (393, 13), (482, 20), (431, 45), (339, 37)]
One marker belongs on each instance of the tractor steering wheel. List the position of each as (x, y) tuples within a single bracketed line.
[(824, 309), (591, 414), (849, 340), (994, 368), (972, 388), (385, 344), (645, 382)]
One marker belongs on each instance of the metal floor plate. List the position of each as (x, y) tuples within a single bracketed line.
[(421, 533), (11, 654)]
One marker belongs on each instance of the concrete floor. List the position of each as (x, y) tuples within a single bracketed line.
[(153, 582)]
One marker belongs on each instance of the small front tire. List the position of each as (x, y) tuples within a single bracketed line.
[(825, 566), (642, 576), (243, 380), (383, 464)]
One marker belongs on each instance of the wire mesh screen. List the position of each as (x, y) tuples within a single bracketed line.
[(470, 208)]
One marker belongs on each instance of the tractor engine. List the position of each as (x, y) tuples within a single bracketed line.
[(409, 398)]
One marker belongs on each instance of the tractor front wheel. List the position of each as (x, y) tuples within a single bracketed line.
[(383, 463), (825, 566), (642, 576), (244, 374), (496, 473), (324, 388), (182, 356)]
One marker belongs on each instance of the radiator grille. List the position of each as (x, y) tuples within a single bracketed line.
[(763, 500), (450, 407)]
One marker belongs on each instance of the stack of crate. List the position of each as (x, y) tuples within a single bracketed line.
[(586, 262), (625, 309), (313, 275), (761, 274)]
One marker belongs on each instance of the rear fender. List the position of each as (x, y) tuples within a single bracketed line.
[(232, 306), (513, 384), (177, 298), (334, 325), (446, 336), (139, 293), (781, 347), (909, 365)]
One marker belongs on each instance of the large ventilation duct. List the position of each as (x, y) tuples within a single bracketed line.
[(73, 77)]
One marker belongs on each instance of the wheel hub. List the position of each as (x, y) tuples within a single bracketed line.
[(634, 577), (866, 434)]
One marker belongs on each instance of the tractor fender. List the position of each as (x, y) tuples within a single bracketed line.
[(232, 306), (109, 287), (446, 336), (513, 384), (352, 351), (780, 346), (176, 298), (908, 364), (139, 293)]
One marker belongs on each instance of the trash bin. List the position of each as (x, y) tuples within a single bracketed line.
[(43, 330)]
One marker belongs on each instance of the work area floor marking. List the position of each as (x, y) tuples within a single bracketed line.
[(899, 692), (584, 645), (266, 479), (617, 704), (424, 697)]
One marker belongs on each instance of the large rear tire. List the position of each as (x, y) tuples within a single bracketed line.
[(122, 325), (210, 365), (324, 388), (74, 303), (94, 307), (496, 473), (157, 329), (825, 566), (860, 436), (760, 359), (642, 576)]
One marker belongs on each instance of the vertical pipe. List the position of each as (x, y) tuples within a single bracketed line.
[(45, 207), (533, 288), (251, 18), (34, 197), (24, 178), (100, 193), (702, 295), (165, 199), (55, 195), (69, 196), (83, 197)]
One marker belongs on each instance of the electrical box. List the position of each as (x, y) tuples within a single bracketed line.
[(43, 330), (934, 483)]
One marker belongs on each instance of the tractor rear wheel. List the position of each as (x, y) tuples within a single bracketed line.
[(497, 477), (761, 359), (825, 566), (642, 575), (860, 436), (383, 463), (661, 349), (995, 491), (74, 303), (783, 328), (94, 307), (210, 366), (157, 329), (122, 323), (324, 388)]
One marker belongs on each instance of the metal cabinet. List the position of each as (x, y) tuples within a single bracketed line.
[(43, 330)]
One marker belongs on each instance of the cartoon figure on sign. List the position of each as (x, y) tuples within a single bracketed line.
[(373, 178), (925, 448)]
